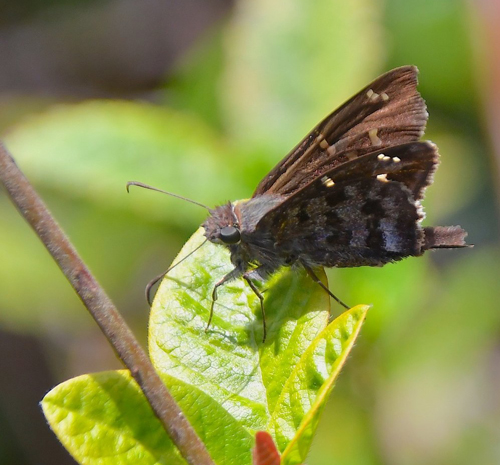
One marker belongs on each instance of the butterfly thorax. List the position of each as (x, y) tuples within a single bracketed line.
[(236, 227)]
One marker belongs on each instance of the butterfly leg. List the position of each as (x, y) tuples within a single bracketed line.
[(236, 273), (318, 281), (247, 277)]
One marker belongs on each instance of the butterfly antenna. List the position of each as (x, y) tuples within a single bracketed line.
[(160, 276), (146, 186)]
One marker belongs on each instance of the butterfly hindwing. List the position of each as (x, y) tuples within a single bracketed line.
[(363, 212), (411, 164)]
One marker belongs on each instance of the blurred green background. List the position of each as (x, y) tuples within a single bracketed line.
[(202, 98)]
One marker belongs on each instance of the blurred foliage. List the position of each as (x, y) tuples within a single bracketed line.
[(435, 35), (422, 384)]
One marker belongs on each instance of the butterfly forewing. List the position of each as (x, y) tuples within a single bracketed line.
[(387, 112)]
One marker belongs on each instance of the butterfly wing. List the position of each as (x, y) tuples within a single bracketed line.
[(363, 212), (387, 112)]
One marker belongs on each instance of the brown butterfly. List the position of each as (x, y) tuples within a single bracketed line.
[(348, 195)]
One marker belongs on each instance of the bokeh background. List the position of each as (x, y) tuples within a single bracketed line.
[(202, 98)]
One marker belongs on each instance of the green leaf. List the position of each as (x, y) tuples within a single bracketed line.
[(104, 418), (307, 389), (228, 383), (281, 385)]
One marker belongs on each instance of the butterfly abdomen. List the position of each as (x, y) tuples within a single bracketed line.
[(444, 237)]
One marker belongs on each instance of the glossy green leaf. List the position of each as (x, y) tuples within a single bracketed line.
[(104, 418), (280, 385), (229, 360), (304, 395)]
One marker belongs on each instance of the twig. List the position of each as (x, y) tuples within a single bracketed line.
[(104, 312)]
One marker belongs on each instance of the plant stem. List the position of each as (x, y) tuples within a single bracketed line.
[(103, 311)]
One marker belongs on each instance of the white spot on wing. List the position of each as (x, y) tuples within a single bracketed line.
[(372, 96), (374, 139), (327, 182), (382, 177), (381, 156), (396, 159), (384, 96), (324, 144)]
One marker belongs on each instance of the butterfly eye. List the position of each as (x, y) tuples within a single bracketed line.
[(230, 235)]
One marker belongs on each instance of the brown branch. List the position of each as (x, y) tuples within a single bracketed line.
[(104, 312)]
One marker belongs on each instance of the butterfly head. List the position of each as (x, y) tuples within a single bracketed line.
[(222, 226)]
